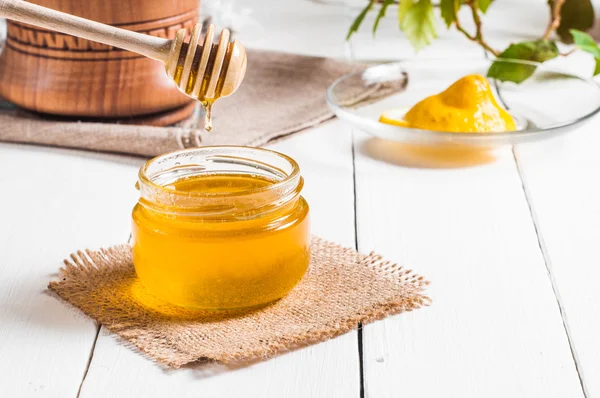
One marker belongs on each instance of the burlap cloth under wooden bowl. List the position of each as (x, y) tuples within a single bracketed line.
[(281, 94), (341, 289)]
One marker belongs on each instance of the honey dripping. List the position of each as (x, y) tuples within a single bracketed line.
[(205, 89), (207, 105)]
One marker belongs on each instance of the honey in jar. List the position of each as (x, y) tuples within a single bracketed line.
[(221, 227)]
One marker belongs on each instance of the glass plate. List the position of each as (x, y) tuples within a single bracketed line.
[(549, 103)]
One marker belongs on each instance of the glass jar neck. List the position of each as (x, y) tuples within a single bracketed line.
[(158, 192)]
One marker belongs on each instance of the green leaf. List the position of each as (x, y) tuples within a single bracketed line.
[(575, 14), (403, 8), (484, 4), (585, 42), (597, 68), (537, 51), (418, 23), (359, 19), (449, 8), (381, 14)]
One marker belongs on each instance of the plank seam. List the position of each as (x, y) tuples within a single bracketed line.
[(349, 49), (361, 369), (91, 357), (546, 257), (548, 264), (89, 362)]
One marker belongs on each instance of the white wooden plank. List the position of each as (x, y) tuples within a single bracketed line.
[(561, 178), (327, 369), (558, 177), (52, 202), (494, 328)]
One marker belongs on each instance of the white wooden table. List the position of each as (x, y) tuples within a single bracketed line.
[(511, 248)]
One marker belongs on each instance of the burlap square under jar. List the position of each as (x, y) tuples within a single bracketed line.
[(341, 289)]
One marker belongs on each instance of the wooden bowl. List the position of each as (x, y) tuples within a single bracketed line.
[(54, 73)]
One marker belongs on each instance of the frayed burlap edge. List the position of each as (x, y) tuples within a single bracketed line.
[(174, 336)]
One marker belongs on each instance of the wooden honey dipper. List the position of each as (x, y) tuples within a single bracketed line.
[(203, 71)]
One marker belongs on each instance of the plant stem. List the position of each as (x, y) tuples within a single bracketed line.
[(554, 19), (478, 36), (568, 52)]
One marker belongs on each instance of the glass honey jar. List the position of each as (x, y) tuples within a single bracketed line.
[(221, 227)]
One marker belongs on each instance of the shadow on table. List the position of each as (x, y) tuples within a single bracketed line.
[(204, 369), (447, 156), (32, 307), (45, 309), (124, 159)]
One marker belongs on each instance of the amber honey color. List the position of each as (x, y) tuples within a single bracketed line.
[(247, 250)]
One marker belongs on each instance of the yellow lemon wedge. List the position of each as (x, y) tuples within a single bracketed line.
[(467, 106)]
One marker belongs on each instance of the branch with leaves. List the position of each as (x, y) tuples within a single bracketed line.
[(417, 19)]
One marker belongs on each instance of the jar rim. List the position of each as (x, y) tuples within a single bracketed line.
[(144, 178)]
